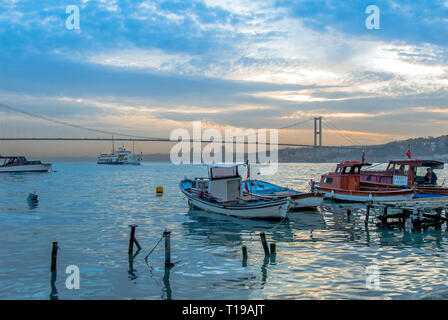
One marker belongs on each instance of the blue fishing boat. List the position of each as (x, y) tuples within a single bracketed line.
[(300, 200)]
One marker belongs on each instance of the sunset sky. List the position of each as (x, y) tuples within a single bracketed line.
[(148, 67)]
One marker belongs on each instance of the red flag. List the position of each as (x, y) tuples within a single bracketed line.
[(363, 159), (408, 153)]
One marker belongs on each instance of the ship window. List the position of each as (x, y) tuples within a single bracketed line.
[(355, 170), (193, 185), (402, 169), (338, 170), (346, 170), (328, 180)]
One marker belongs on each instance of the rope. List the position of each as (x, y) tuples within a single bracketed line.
[(146, 258)]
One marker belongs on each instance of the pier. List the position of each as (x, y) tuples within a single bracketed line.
[(423, 212)]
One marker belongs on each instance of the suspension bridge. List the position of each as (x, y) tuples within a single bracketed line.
[(120, 136)]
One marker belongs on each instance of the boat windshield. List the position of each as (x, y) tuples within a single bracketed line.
[(223, 172), (420, 173)]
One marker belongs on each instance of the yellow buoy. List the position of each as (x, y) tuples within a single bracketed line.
[(159, 189)]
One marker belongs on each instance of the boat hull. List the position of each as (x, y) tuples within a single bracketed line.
[(44, 167), (275, 209), (307, 200), (364, 196)]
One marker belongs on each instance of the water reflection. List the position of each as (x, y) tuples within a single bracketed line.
[(221, 230), (54, 290), (166, 282), (353, 225)]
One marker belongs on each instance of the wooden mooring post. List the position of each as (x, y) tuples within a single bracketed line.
[(244, 252), (167, 236), (54, 256), (273, 253), (265, 244), (133, 240)]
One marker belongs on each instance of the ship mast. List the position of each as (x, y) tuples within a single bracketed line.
[(113, 147)]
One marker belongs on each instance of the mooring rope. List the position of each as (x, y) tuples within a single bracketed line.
[(146, 258)]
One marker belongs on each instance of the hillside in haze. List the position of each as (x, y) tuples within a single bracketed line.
[(430, 147)]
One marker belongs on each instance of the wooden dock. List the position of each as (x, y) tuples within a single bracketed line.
[(423, 212)]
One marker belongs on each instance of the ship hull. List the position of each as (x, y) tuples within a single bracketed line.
[(44, 167), (364, 196)]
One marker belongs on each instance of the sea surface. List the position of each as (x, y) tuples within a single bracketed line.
[(87, 208)]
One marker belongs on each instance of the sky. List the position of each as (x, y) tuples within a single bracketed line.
[(149, 67)]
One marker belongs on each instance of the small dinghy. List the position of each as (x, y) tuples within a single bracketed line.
[(221, 193), (300, 200)]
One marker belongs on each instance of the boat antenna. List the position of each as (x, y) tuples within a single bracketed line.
[(113, 147)]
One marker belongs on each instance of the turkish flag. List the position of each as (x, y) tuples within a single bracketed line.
[(408, 153)]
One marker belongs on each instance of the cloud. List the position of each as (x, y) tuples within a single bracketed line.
[(234, 63)]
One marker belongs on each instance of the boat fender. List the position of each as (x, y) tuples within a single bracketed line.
[(370, 196), (332, 193)]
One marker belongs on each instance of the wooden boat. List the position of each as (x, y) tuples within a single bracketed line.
[(345, 184), (21, 164), (407, 173), (221, 193), (300, 200)]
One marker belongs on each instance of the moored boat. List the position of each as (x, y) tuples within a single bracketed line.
[(221, 193), (406, 173), (21, 164), (345, 184), (300, 200)]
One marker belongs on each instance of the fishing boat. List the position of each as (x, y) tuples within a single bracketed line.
[(300, 200), (21, 164), (406, 173), (345, 184), (221, 193)]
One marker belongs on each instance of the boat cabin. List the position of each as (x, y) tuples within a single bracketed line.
[(345, 177), (16, 161), (224, 182), (402, 172)]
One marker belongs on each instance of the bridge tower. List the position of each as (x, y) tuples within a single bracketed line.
[(317, 131)]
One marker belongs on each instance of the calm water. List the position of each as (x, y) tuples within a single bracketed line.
[(87, 208)]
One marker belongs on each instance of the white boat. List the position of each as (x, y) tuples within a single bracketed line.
[(221, 193), (21, 164), (121, 156), (300, 200)]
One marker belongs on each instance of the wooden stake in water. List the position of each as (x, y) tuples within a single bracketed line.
[(54, 256), (273, 253), (265, 243), (273, 248), (133, 240), (244, 250), (167, 235)]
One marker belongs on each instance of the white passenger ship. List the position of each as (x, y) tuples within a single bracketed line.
[(121, 156)]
